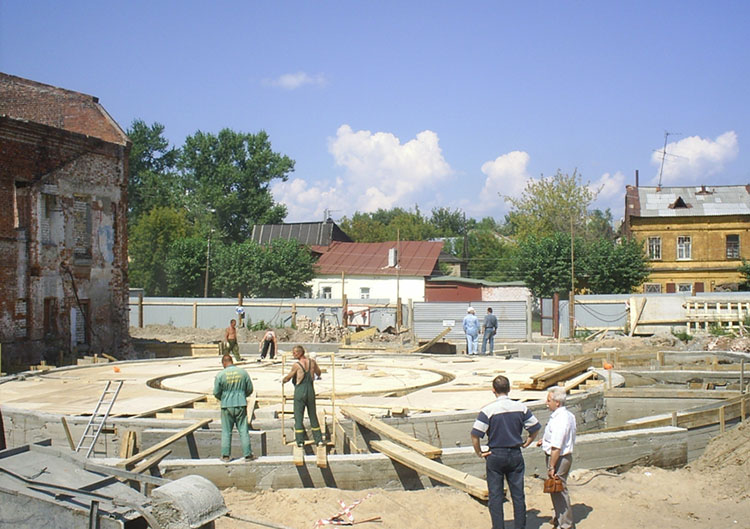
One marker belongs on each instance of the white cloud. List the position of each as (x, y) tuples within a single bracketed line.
[(506, 176), (611, 193), (691, 160), (379, 172), (292, 81)]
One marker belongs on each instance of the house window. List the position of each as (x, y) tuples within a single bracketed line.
[(652, 288), (79, 325), (325, 292), (733, 246), (654, 248), (82, 228), (684, 251), (364, 293), (685, 287)]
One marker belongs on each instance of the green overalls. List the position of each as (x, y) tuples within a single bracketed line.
[(304, 397)]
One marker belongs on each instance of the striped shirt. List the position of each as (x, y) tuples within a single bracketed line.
[(503, 420)]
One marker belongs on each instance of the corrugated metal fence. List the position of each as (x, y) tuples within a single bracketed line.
[(430, 319)]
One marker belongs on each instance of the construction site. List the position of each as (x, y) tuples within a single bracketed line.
[(396, 424)]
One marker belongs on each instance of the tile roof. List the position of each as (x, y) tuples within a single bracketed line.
[(693, 201), (416, 258), (56, 107)]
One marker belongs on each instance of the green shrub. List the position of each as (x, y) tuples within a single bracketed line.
[(715, 329), (683, 336)]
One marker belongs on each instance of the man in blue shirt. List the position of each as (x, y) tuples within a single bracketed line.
[(471, 328), (504, 420), (490, 328)]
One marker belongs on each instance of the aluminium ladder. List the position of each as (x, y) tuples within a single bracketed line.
[(98, 418)]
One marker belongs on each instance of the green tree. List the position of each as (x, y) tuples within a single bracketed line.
[(550, 205), (544, 263), (388, 225), (610, 267), (152, 179), (230, 173), (280, 269), (449, 223), (601, 266), (185, 266), (600, 225), (744, 270), (148, 247), (490, 256)]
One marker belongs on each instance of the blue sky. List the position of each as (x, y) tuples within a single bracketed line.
[(434, 103)]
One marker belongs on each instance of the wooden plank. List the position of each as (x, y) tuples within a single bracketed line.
[(152, 461), (298, 455), (668, 393), (546, 379), (575, 382), (432, 342), (166, 442), (67, 434), (450, 476), (361, 335), (321, 456), (638, 315), (127, 444), (732, 410), (379, 427)]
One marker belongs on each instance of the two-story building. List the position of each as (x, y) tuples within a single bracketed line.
[(695, 237)]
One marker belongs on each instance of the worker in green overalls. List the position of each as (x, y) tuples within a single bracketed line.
[(301, 375)]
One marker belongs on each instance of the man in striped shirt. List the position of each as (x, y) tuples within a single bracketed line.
[(503, 421)]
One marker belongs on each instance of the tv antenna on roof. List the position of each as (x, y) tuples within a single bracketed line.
[(664, 152)]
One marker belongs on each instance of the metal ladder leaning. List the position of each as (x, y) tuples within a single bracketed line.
[(98, 418)]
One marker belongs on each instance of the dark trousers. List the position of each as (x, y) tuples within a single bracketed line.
[(506, 463), (268, 347)]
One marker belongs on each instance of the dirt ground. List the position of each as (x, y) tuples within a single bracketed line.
[(713, 492)]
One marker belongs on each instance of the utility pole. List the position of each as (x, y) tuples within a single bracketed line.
[(208, 260), (571, 307)]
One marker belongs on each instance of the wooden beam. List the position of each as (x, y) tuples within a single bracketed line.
[(668, 393), (577, 381), (67, 434), (381, 428), (361, 335), (166, 442), (637, 318), (152, 461), (549, 378), (432, 342), (127, 444), (450, 476)]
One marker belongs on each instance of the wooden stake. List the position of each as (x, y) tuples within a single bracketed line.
[(722, 424), (298, 456), (70, 437)]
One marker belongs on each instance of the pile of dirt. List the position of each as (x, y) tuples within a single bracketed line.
[(726, 461)]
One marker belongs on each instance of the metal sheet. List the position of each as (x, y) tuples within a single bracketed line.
[(430, 319)]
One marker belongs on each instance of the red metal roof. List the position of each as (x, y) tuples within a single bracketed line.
[(416, 258)]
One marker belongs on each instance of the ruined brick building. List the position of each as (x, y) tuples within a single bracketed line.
[(63, 225)]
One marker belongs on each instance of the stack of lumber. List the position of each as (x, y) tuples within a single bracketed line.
[(551, 377)]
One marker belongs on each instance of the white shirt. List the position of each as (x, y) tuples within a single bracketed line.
[(560, 432)]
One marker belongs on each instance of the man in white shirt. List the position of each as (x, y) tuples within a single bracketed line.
[(557, 442)]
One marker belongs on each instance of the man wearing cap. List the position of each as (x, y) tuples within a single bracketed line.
[(471, 328)]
